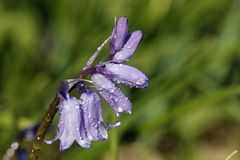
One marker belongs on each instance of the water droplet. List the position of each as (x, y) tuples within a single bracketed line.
[(15, 145), (111, 90), (138, 83), (90, 137), (120, 109), (47, 118)]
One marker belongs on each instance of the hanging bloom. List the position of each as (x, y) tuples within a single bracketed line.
[(71, 125), (112, 94), (80, 120), (93, 118), (124, 74)]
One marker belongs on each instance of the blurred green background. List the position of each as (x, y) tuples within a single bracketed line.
[(190, 52)]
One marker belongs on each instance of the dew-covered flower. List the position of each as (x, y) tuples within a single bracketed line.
[(71, 124), (122, 44), (127, 75), (122, 47), (81, 119), (92, 115), (112, 94), (119, 34)]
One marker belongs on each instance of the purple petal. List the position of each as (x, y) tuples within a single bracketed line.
[(81, 136), (119, 35), (93, 118), (124, 74), (129, 47), (69, 126), (112, 94), (70, 117)]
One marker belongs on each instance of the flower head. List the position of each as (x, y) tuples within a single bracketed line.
[(81, 119)]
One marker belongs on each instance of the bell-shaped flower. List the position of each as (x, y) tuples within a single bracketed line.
[(71, 125), (129, 47), (93, 116), (119, 35), (124, 74), (111, 93)]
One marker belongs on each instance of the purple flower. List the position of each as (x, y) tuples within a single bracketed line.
[(71, 125), (124, 74), (112, 94), (80, 120), (93, 118), (123, 45), (119, 35), (130, 46)]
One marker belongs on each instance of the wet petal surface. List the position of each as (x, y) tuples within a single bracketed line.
[(112, 94)]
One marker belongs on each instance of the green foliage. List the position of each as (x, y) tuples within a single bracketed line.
[(190, 51)]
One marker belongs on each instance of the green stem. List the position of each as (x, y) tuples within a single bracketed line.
[(42, 130), (114, 142)]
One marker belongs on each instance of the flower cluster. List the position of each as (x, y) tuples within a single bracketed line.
[(81, 119)]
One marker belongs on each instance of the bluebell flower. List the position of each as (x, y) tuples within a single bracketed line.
[(119, 35), (71, 125), (93, 118), (112, 94), (130, 45), (81, 119), (124, 74)]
